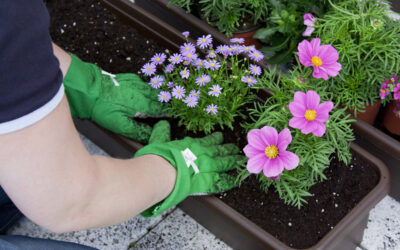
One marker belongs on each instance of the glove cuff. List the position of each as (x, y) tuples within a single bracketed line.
[(82, 86), (182, 184)]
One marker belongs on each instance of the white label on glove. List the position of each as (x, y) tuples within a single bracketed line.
[(189, 158), (111, 76)]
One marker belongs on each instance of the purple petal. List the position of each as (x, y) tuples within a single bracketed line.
[(255, 139), (323, 111), (290, 160), (284, 139), (269, 135), (312, 99), (309, 30), (256, 163), (319, 129), (298, 122), (251, 151), (273, 167)]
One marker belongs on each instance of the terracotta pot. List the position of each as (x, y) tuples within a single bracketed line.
[(390, 120), (370, 113), (248, 37)]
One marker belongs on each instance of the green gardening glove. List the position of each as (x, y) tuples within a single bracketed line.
[(112, 101), (201, 164)]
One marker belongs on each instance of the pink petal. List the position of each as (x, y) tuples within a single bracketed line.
[(317, 73), (290, 160), (297, 109), (305, 53), (309, 30), (328, 54), (331, 69), (273, 168), (284, 139), (300, 97), (319, 129), (256, 163), (323, 111), (298, 122), (255, 140), (312, 99), (251, 151), (269, 135), (311, 126), (315, 44)]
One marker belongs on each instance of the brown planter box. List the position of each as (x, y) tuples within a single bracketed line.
[(371, 138), (223, 221)]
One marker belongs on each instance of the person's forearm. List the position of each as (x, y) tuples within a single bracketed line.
[(54, 181)]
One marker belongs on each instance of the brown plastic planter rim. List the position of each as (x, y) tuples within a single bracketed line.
[(356, 213)]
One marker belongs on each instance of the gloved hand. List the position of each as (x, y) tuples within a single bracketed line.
[(112, 101), (201, 164)]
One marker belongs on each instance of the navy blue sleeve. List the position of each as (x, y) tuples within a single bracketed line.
[(29, 72)]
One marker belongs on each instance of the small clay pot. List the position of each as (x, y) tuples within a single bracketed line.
[(370, 113), (390, 120), (248, 36)]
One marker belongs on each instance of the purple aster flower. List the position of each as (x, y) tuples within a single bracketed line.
[(237, 40), (213, 109), (215, 90), (248, 49), (223, 50), (255, 70), (384, 91), (266, 150), (171, 85), (396, 92), (195, 93), (158, 58), (186, 62), (212, 64), (309, 115), (204, 41), (256, 55), (176, 58), (211, 54), (178, 92), (184, 73), (191, 101), (156, 81), (202, 80), (198, 63), (188, 56), (164, 96), (148, 69), (188, 47), (249, 80), (186, 33), (169, 68), (236, 49)]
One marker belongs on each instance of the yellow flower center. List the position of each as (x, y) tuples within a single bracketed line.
[(187, 48), (164, 96), (249, 80), (383, 91), (271, 152), (316, 61), (190, 100), (204, 40), (215, 90), (212, 64), (212, 53), (255, 54), (158, 59), (189, 55), (212, 109), (148, 68), (179, 91), (310, 114), (184, 72), (155, 82)]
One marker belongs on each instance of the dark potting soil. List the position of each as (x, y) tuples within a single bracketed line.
[(94, 34)]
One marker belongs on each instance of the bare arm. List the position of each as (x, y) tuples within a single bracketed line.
[(54, 181)]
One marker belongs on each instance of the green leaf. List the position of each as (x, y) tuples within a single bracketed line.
[(276, 47), (264, 33)]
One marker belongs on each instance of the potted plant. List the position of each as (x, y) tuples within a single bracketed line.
[(367, 41), (390, 93), (363, 207)]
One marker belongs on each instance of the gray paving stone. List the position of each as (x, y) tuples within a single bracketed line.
[(180, 231), (111, 238)]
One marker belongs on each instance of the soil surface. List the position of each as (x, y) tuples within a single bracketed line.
[(94, 34)]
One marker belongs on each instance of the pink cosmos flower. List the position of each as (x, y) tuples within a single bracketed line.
[(309, 21), (384, 91), (309, 115), (323, 58), (266, 150), (396, 92)]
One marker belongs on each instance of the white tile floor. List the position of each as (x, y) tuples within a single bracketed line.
[(176, 230)]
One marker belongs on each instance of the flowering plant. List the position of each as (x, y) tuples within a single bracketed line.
[(367, 40), (204, 92), (390, 91), (294, 136)]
